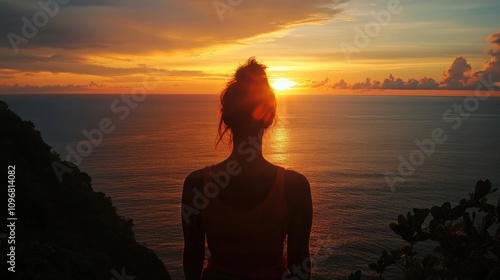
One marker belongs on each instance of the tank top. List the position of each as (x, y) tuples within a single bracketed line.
[(247, 244)]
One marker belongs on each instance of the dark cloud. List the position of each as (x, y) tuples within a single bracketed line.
[(412, 84), (22, 89), (96, 2), (314, 84), (340, 85), (128, 26), (319, 84), (94, 85), (428, 83), (58, 63), (29, 58), (491, 68), (367, 84), (457, 75), (390, 83), (393, 83), (494, 38)]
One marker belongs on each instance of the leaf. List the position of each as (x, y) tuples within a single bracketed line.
[(387, 258), (488, 208), (437, 212), (401, 231), (419, 237), (409, 219), (457, 212), (419, 218), (375, 267), (402, 221), (355, 276), (482, 189), (434, 224), (485, 224), (397, 229), (446, 206), (441, 212), (463, 202)]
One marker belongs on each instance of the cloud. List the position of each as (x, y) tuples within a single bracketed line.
[(494, 38), (492, 66), (23, 89), (390, 83), (367, 84), (428, 83), (59, 63), (457, 75), (412, 84), (322, 83), (314, 84), (340, 85), (146, 26), (30, 58), (94, 85)]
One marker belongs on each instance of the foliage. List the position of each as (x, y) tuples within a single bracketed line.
[(467, 238)]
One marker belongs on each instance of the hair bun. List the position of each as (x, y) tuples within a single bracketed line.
[(248, 103), (252, 71)]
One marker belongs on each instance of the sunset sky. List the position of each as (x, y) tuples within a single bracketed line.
[(189, 46)]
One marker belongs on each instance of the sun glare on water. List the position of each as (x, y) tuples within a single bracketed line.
[(282, 84)]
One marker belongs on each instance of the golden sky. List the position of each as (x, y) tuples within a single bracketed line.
[(310, 47)]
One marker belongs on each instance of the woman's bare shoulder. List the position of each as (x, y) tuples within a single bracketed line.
[(193, 180), (297, 188), (195, 176), (296, 180), (298, 198)]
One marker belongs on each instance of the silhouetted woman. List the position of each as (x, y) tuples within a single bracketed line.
[(245, 205)]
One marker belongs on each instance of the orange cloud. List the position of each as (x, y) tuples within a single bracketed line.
[(121, 26)]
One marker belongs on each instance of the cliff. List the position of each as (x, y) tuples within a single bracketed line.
[(64, 229)]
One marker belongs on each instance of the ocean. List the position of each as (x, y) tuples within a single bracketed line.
[(349, 147)]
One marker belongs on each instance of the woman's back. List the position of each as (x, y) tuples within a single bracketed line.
[(249, 187), (246, 225)]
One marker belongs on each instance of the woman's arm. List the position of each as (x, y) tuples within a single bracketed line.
[(299, 206), (192, 227)]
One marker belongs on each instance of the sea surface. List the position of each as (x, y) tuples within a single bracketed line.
[(343, 144)]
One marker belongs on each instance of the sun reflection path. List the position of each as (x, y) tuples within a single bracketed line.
[(277, 139)]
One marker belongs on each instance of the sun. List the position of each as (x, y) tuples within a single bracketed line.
[(283, 84)]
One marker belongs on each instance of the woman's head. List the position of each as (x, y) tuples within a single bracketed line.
[(248, 103)]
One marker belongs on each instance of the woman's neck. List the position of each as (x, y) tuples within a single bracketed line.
[(247, 149)]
